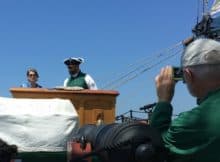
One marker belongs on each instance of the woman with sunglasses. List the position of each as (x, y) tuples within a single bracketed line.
[(32, 78)]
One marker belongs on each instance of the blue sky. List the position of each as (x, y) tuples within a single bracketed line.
[(109, 34)]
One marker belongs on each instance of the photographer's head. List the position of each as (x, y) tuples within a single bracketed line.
[(201, 64), (7, 152)]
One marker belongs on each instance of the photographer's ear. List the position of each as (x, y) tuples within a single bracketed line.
[(188, 75)]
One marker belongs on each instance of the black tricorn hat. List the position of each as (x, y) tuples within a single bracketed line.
[(73, 60)]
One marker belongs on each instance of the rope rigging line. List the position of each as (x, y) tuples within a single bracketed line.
[(139, 66), (145, 66), (144, 70), (133, 111), (198, 10), (205, 6), (148, 59)]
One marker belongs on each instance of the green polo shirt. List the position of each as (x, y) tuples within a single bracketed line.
[(194, 136)]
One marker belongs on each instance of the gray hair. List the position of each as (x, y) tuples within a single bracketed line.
[(201, 51)]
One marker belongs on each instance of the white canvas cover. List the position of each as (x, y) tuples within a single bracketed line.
[(37, 124)]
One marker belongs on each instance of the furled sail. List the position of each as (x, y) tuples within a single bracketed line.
[(209, 26), (215, 9), (215, 16)]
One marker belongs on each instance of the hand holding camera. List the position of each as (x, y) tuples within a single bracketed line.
[(165, 84)]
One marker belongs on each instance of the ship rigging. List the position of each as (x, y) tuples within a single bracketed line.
[(207, 26)]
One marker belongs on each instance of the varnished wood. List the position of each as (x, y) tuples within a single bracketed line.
[(91, 105)]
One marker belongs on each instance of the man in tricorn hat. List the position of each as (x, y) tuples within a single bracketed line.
[(78, 78)]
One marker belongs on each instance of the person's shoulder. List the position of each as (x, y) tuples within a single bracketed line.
[(39, 86), (88, 76), (83, 73), (24, 85)]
